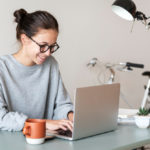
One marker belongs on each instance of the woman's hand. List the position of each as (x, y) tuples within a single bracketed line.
[(54, 125), (70, 116)]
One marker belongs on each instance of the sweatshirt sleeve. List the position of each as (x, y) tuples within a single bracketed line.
[(10, 121), (63, 104)]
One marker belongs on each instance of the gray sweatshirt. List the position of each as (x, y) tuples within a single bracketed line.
[(31, 92)]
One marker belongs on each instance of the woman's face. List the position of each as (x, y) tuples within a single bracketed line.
[(32, 50)]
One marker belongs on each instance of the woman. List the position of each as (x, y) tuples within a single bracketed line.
[(30, 81)]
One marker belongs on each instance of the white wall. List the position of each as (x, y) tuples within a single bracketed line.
[(88, 28)]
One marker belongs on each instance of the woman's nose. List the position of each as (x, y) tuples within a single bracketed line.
[(47, 53)]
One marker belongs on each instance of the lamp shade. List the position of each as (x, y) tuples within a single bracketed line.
[(126, 9)]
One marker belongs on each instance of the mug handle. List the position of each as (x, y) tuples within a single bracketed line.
[(26, 130)]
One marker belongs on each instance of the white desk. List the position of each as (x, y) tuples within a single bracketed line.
[(124, 138)]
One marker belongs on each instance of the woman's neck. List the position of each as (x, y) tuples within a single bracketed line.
[(23, 58)]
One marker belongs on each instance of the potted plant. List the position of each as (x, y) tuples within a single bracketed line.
[(142, 119)]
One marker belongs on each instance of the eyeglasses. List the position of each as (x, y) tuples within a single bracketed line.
[(45, 47)]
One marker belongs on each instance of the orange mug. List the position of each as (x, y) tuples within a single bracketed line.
[(34, 130)]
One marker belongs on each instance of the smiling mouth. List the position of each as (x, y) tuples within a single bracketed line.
[(42, 58)]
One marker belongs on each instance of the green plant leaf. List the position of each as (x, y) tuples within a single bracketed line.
[(143, 112)]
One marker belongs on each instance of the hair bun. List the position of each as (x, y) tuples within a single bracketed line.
[(19, 15)]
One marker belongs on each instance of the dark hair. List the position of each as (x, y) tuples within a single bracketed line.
[(30, 23)]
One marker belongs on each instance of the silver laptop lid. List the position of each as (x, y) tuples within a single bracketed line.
[(96, 110)]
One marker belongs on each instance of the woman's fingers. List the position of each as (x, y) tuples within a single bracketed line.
[(59, 124), (67, 123), (51, 131), (63, 127)]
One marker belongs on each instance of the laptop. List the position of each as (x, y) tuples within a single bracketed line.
[(95, 111)]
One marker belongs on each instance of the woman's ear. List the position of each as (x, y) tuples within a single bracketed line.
[(24, 39)]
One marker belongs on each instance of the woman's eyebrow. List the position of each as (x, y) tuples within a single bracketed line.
[(48, 43), (43, 42)]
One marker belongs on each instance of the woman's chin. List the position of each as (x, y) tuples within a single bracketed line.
[(40, 61)]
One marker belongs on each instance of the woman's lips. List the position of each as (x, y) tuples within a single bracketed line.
[(42, 58)]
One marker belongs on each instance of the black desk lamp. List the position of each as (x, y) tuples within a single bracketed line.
[(126, 9)]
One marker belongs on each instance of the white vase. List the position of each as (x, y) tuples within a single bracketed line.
[(142, 121)]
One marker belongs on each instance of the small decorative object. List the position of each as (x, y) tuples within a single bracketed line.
[(142, 119)]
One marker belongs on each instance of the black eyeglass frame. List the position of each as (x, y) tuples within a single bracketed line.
[(49, 47)]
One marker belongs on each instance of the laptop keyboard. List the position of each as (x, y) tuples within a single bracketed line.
[(67, 133)]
